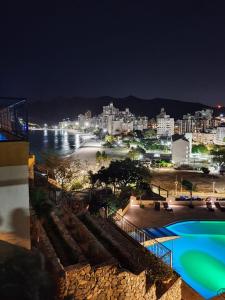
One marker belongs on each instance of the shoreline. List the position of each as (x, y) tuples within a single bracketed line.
[(87, 153)]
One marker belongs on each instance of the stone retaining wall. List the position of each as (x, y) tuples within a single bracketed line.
[(46, 247), (107, 282), (100, 282), (67, 238), (173, 292), (92, 249)]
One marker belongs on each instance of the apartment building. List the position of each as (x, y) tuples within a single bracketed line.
[(165, 124)]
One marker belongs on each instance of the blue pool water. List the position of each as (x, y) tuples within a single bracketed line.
[(199, 254), (2, 137)]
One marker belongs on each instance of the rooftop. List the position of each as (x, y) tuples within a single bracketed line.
[(177, 137)]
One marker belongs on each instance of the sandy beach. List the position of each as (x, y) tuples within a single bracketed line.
[(87, 153)]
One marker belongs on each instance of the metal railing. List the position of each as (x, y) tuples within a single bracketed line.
[(159, 190), (13, 117), (155, 247), (221, 292)]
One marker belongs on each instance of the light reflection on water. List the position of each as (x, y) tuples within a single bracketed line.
[(53, 141)]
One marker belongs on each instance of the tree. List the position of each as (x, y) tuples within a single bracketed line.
[(149, 133), (64, 170), (101, 157), (42, 207), (153, 145), (121, 173), (98, 157), (136, 153), (165, 163), (205, 171), (110, 140), (200, 149), (141, 189), (40, 203), (218, 156), (188, 185), (138, 134)]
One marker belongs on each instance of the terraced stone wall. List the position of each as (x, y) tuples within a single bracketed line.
[(101, 282), (106, 282)]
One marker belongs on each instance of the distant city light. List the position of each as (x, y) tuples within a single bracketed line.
[(45, 134)]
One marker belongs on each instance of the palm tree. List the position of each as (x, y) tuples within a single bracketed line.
[(188, 185), (140, 190)]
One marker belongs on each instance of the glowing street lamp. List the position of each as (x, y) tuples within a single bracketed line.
[(176, 184)]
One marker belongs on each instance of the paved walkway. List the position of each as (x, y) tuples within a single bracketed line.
[(149, 217)]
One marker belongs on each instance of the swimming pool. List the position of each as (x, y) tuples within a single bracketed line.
[(199, 254), (2, 137)]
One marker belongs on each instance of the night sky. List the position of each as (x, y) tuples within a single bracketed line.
[(116, 48)]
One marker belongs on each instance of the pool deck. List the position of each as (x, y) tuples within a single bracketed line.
[(149, 217)]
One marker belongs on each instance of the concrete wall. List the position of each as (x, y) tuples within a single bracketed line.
[(14, 153)]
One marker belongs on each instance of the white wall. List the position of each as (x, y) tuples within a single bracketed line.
[(180, 152), (220, 136), (14, 200)]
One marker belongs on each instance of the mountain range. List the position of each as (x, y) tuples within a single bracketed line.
[(54, 110)]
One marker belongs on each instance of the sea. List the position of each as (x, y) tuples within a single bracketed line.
[(62, 143)]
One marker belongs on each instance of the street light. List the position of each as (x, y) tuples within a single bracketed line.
[(181, 187), (213, 185), (176, 184)]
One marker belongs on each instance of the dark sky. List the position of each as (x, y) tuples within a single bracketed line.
[(116, 48)]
